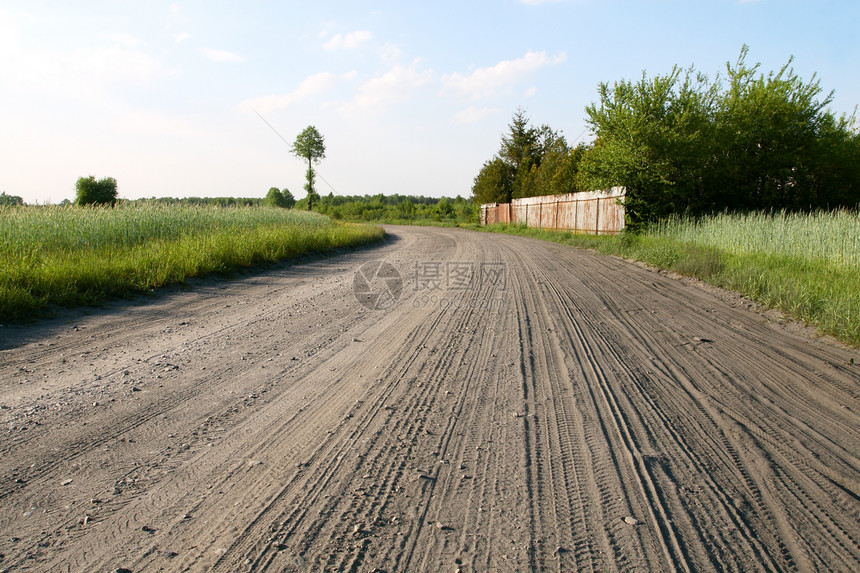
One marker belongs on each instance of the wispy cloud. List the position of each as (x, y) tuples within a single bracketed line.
[(486, 81), (312, 86), (182, 36), (220, 55), (348, 41)]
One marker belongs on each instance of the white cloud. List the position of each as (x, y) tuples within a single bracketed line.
[(531, 91), (391, 87), (220, 55), (473, 114), (485, 81), (182, 36), (389, 52), (312, 86), (348, 41)]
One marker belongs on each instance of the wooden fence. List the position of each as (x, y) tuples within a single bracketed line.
[(596, 212)]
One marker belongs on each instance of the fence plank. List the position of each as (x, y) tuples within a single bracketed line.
[(597, 212)]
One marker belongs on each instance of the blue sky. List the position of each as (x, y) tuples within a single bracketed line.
[(412, 97)]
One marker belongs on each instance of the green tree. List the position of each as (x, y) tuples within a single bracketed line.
[(837, 179), (289, 200), (10, 200), (680, 143), (520, 150), (531, 161), (464, 210), (526, 179), (444, 208), (773, 133), (493, 183), (520, 143), (653, 138), (274, 198), (310, 145), (562, 173), (406, 208), (92, 192)]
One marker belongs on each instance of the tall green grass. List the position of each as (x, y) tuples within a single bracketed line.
[(830, 237), (806, 265), (73, 255)]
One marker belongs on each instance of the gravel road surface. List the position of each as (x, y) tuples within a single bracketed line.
[(485, 403)]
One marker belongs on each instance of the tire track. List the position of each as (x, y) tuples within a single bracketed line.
[(528, 424)]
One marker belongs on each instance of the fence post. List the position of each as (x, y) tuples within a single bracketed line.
[(597, 218)]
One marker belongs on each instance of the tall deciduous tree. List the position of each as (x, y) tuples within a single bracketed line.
[(770, 128), (680, 143), (648, 133), (310, 145)]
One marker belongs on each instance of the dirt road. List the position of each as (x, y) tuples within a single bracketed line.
[(521, 406)]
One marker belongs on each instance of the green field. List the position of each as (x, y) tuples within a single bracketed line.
[(806, 265), (83, 255)]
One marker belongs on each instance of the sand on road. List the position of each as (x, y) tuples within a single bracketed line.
[(509, 405)]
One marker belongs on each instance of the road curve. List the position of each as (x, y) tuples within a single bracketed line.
[(510, 405)]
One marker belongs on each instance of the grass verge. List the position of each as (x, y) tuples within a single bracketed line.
[(82, 256), (819, 290)]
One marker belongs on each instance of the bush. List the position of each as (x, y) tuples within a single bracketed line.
[(274, 198), (92, 192), (10, 200)]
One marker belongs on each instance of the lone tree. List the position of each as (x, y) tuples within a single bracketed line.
[(310, 145), (92, 192)]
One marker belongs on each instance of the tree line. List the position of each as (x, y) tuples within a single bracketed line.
[(683, 143), (395, 208), (355, 208)]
